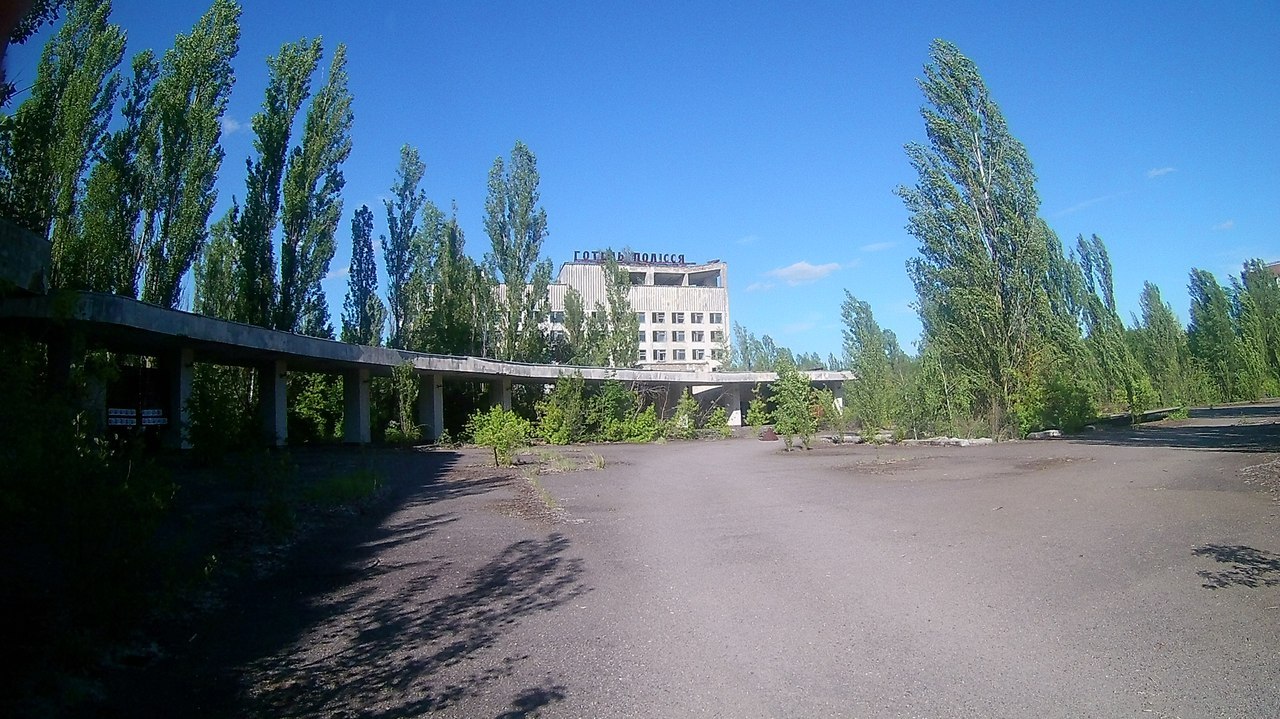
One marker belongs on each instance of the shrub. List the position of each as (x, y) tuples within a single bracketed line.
[(793, 399), (719, 422), (757, 413), (684, 423), (503, 430), (562, 415)]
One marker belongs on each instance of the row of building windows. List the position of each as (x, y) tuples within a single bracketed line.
[(679, 336), (679, 355), (677, 318)]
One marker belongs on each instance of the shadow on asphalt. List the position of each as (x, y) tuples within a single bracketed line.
[(1250, 567), (338, 631), (1223, 437)]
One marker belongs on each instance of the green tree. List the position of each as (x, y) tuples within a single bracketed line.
[(874, 391), (1160, 342), (1119, 370), (1256, 306), (363, 314), (517, 226), (793, 406), (312, 207), (503, 430), (398, 244), (115, 191), (49, 142), (458, 306), (288, 87), (1212, 338), (179, 154), (215, 272), (983, 273)]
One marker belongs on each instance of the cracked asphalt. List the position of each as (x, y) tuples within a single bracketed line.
[(1124, 573)]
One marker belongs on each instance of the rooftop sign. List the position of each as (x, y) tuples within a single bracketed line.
[(630, 258)]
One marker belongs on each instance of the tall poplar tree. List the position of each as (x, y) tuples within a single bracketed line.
[(1256, 305), (1161, 346), (288, 87), (1212, 338), (1118, 369), (312, 208), (868, 352), (517, 226), (984, 270), (51, 139), (180, 153), (398, 243), (363, 314)]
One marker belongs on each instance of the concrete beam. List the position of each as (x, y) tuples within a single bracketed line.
[(355, 406), (178, 367), (431, 405), (274, 407), (500, 392)]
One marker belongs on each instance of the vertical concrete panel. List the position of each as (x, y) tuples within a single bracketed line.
[(355, 406), (274, 408), (431, 405), (500, 393), (178, 367), (732, 401), (837, 390)]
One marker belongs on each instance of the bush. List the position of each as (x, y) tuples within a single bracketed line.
[(684, 423), (562, 416), (719, 422), (503, 430), (757, 413), (793, 399)]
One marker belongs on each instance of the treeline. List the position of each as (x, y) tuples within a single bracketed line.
[(129, 211), (1018, 332)]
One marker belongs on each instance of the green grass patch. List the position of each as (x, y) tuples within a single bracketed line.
[(343, 489)]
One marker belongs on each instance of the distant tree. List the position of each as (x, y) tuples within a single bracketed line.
[(288, 87), (363, 314), (1212, 338), (215, 271), (312, 207), (873, 393), (623, 344), (1119, 370), (1256, 306), (398, 243), (1161, 346), (517, 226)]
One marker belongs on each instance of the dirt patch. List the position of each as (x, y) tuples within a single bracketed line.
[(1265, 476), (882, 465), (1043, 463)]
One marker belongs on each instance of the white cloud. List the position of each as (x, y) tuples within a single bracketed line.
[(340, 272), (1088, 203), (802, 273), (759, 286), (748, 239), (878, 246), (230, 125), (799, 327), (1158, 171), (1228, 225)]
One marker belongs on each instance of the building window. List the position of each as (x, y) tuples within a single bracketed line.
[(698, 335), (695, 318), (677, 355), (677, 317), (699, 354), (639, 318), (641, 335), (658, 318), (717, 318), (643, 357), (677, 336), (716, 354), (659, 335), (659, 355), (557, 318), (717, 335)]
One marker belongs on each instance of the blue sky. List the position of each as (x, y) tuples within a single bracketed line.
[(770, 135)]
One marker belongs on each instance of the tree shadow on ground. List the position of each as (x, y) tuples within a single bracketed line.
[(358, 621), (1233, 437), (398, 643), (1250, 567)]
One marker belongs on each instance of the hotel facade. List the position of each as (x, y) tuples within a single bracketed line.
[(682, 307)]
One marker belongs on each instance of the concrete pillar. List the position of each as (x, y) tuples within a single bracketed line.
[(837, 391), (274, 407), (178, 367), (732, 401), (500, 392), (431, 405), (355, 406)]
